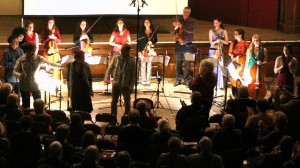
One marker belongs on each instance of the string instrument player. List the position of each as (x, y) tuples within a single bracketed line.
[(254, 72), (50, 37), (217, 38), (83, 38), (237, 52), (183, 45), (147, 39)]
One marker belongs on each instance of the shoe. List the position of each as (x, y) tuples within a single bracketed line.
[(177, 83)]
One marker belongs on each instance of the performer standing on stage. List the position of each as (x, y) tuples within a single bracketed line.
[(255, 55), (217, 37), (25, 69), (10, 56), (237, 52), (119, 36), (147, 39), (82, 38), (50, 37), (183, 29), (123, 69), (20, 32), (32, 36), (80, 88), (286, 68)]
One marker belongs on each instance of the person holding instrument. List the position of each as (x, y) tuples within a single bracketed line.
[(147, 39), (119, 36), (218, 37), (256, 56), (183, 29), (83, 38), (237, 52), (286, 68), (50, 37)]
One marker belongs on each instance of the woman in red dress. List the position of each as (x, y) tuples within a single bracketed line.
[(119, 36), (32, 36)]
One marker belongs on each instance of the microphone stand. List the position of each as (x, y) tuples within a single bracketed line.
[(133, 2)]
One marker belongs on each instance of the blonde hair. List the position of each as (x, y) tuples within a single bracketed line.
[(206, 66), (252, 46)]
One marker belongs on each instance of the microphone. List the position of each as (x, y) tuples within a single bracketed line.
[(132, 2)]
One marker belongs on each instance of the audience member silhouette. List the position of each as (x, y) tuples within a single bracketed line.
[(10, 110), (134, 139), (146, 121), (123, 159), (25, 145), (205, 158), (90, 158), (196, 109), (55, 157), (172, 158)]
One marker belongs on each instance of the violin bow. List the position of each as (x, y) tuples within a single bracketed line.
[(94, 24), (151, 37)]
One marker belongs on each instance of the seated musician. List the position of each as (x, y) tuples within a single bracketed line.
[(83, 38), (237, 52), (147, 38)]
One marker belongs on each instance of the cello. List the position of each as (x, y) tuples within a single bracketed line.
[(257, 89)]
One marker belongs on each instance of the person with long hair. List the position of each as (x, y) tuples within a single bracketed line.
[(237, 52), (286, 68), (217, 38), (255, 55), (79, 78), (83, 39), (146, 41), (50, 37), (119, 36), (32, 36)]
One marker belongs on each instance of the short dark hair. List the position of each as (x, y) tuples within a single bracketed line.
[(134, 116), (28, 46), (78, 54), (11, 38), (262, 105), (26, 122)]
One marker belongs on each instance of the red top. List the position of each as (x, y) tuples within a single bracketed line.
[(120, 39), (240, 48), (31, 39)]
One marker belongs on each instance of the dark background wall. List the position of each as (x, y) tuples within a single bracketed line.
[(252, 13)]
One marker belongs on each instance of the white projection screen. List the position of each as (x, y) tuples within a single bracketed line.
[(102, 7)]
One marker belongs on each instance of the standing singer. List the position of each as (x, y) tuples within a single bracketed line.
[(183, 29)]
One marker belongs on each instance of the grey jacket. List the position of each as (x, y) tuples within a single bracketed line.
[(123, 71)]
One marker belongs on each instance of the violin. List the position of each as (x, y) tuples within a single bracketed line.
[(85, 45), (179, 35), (51, 44), (218, 50)]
